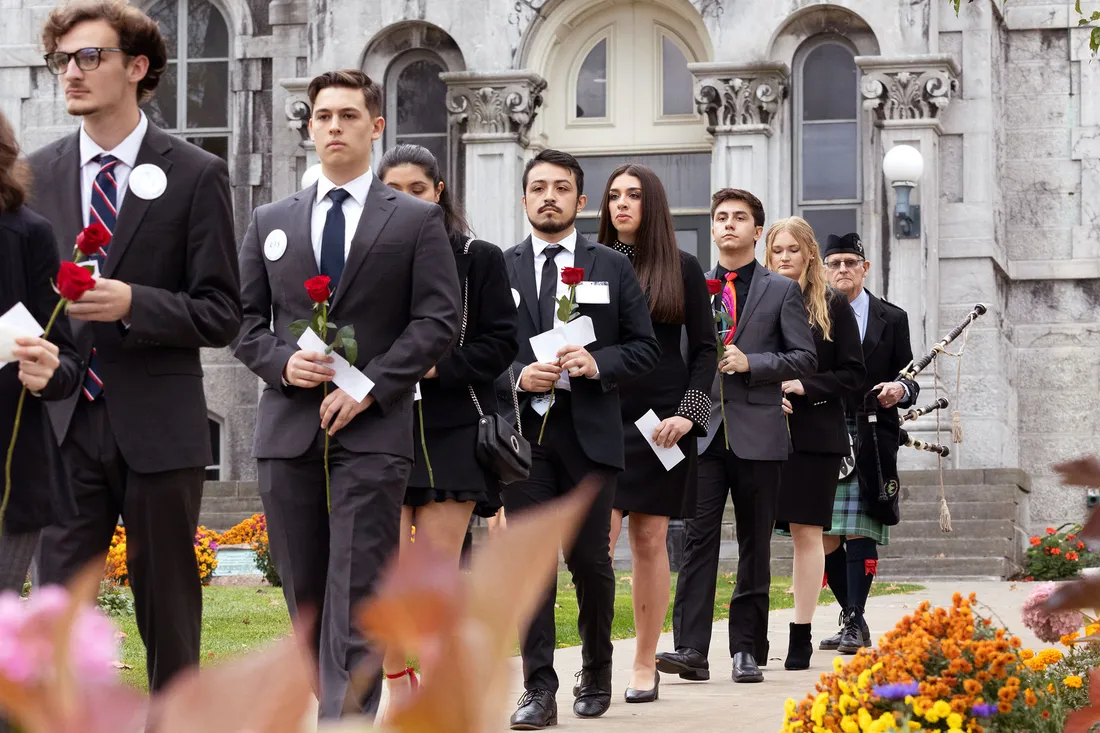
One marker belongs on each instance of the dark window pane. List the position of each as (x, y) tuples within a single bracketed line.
[(161, 109), (207, 34), (831, 221), (166, 14), (829, 83), (437, 144), (421, 99), (688, 240), (219, 146), (829, 161), (214, 471), (208, 94), (685, 176), (677, 84), (592, 83)]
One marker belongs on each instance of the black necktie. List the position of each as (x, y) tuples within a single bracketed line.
[(548, 288), (332, 238)]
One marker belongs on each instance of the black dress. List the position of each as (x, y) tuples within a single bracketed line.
[(40, 494), (675, 387), (449, 415), (818, 430)]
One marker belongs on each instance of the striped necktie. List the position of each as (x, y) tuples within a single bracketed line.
[(104, 210), (729, 302)]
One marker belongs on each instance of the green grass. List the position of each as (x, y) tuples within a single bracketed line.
[(236, 619)]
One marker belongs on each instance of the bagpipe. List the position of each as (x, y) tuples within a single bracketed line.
[(878, 466)]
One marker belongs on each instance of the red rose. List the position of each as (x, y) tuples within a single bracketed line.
[(318, 288), (714, 286), (73, 281), (572, 275), (93, 238)]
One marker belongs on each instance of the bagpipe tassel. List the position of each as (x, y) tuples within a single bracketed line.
[(956, 427), (945, 515)]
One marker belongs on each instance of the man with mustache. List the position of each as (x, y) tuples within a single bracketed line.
[(577, 398)]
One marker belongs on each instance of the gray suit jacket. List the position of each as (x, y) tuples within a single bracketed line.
[(400, 291), (774, 333)]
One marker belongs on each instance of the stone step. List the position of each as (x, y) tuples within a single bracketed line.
[(989, 494), (961, 528), (960, 510), (962, 567), (225, 504), (230, 489), (927, 547)]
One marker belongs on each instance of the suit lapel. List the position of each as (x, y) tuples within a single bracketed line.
[(875, 325), (299, 234), (584, 256), (756, 292), (134, 208), (377, 210), (523, 267)]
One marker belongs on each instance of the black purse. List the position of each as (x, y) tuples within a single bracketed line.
[(501, 449)]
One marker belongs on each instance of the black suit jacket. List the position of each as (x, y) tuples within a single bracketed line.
[(886, 351), (625, 346), (817, 420), (490, 344), (178, 253), (400, 291), (40, 493)]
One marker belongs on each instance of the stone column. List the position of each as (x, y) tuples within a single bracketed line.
[(289, 26), (296, 151), (741, 103), (494, 110), (905, 96)]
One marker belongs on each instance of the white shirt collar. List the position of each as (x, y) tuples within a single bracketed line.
[(126, 151), (569, 243), (357, 187), (862, 301)]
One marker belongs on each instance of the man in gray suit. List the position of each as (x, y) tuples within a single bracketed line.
[(393, 278), (768, 340)]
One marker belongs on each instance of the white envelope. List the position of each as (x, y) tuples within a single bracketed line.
[(593, 293), (579, 332), (669, 457), (17, 322), (575, 333), (347, 378)]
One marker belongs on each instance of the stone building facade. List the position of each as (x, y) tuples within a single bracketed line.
[(797, 100)]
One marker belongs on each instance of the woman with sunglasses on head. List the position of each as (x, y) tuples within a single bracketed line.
[(447, 483), (48, 369), (815, 418), (635, 219)]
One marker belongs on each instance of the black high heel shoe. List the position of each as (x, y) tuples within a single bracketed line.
[(633, 695)]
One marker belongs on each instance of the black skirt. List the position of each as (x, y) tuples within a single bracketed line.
[(808, 489), (455, 470)]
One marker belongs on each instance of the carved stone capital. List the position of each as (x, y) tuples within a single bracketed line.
[(297, 109), (739, 95), (908, 88), (494, 105)]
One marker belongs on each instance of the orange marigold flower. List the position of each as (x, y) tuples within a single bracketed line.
[(1072, 556), (1055, 551), (1050, 530), (1046, 715), (1004, 707), (1035, 541), (1080, 545)]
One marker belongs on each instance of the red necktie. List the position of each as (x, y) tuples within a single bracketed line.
[(729, 302)]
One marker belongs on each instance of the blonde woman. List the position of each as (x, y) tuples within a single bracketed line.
[(815, 409)]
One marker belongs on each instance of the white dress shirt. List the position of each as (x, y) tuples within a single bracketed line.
[(353, 210), (861, 305), (126, 152)]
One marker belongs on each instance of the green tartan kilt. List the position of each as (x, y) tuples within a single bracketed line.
[(849, 516)]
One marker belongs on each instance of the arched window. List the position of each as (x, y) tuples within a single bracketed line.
[(416, 108), (826, 137), (192, 99), (591, 94), (677, 83)]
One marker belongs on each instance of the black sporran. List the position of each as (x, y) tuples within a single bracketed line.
[(877, 465)]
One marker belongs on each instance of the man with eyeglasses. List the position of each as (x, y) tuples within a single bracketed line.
[(136, 437), (851, 546)]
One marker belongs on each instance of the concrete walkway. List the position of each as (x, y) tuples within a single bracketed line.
[(758, 708)]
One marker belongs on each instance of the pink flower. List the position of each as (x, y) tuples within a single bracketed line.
[(1049, 627)]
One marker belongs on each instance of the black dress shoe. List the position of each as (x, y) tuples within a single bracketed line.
[(832, 642), (852, 638), (688, 663), (800, 648), (633, 695), (745, 668), (593, 692), (537, 710)]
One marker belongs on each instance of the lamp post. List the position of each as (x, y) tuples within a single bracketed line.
[(903, 167)]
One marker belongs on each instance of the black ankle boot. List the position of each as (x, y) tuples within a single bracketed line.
[(800, 648)]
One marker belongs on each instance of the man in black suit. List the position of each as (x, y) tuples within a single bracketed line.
[(393, 278), (584, 430), (768, 341), (851, 558), (136, 436)]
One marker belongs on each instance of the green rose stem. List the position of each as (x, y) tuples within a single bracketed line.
[(569, 303), (15, 428), (324, 386), (424, 442)]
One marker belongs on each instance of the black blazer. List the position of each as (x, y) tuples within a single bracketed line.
[(886, 351), (40, 493), (817, 422), (625, 346), (179, 254), (490, 345)]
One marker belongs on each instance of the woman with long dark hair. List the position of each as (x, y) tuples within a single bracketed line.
[(447, 482), (49, 369), (635, 220), (815, 407)]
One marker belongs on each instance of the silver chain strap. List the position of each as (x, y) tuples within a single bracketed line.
[(462, 340)]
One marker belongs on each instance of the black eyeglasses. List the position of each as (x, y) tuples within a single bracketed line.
[(87, 59)]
